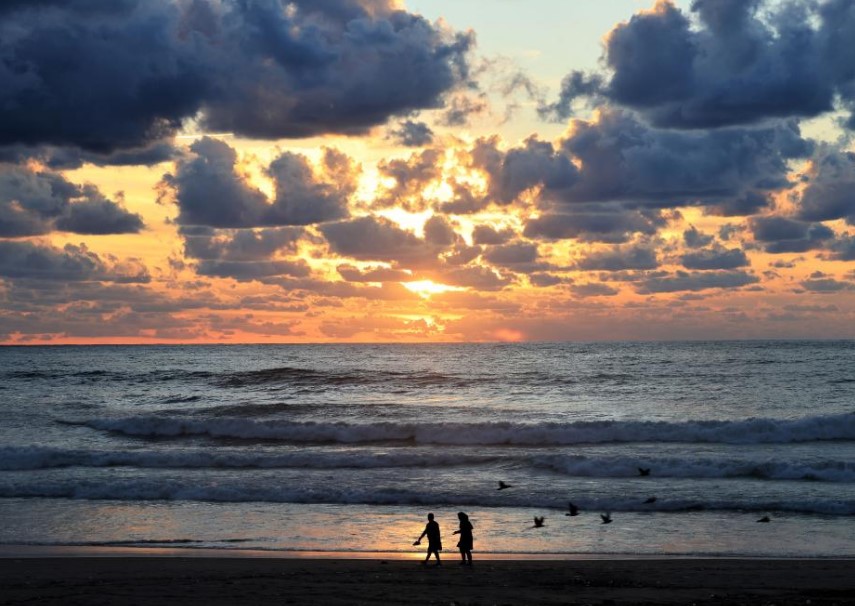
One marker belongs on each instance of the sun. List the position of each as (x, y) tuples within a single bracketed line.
[(426, 288)]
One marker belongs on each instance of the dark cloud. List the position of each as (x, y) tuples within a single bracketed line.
[(596, 224), (477, 277), (67, 158), (593, 289), (619, 259), (576, 84), (510, 255), (783, 235), (544, 279), (85, 74), (411, 134), (378, 239), (695, 281), (826, 285), (511, 173), (373, 274), (623, 159), (749, 203), (462, 108), (830, 193), (715, 258), (485, 234), (31, 261), (695, 239), (439, 232), (210, 191), (842, 249), (253, 270), (411, 176), (35, 203), (238, 245), (742, 62)]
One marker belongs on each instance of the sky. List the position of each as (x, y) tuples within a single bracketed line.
[(262, 171)]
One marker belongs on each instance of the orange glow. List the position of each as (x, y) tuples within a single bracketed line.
[(426, 288)]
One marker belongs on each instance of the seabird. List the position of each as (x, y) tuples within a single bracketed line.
[(574, 511), (650, 500), (502, 485), (538, 522), (644, 471), (607, 518)]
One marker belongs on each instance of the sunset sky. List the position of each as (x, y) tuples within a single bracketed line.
[(177, 171)]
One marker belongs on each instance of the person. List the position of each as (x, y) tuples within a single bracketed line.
[(434, 540), (465, 543)]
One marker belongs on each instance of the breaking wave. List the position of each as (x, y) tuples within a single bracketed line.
[(749, 431)]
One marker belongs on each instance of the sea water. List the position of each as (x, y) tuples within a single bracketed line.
[(348, 447)]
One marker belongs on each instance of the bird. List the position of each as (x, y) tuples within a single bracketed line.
[(607, 518), (650, 500), (538, 522), (644, 471), (764, 519), (502, 485), (574, 511)]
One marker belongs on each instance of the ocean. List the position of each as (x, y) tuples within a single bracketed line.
[(346, 448)]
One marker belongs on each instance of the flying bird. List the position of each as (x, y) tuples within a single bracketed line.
[(574, 511), (607, 518), (764, 519), (644, 471), (650, 500), (538, 522), (502, 485)]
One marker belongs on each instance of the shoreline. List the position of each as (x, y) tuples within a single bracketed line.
[(229, 580), (23, 551)]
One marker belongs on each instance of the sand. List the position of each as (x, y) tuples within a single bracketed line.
[(230, 580)]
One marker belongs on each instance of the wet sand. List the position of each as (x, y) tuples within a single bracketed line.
[(230, 580)]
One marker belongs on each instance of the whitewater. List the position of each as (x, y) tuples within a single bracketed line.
[(347, 447)]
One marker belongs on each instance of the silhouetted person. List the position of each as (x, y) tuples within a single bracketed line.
[(466, 541), (434, 540)]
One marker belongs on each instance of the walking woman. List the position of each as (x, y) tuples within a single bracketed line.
[(465, 543)]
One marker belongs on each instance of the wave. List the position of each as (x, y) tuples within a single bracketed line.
[(27, 458), (749, 431), (177, 489), (314, 378)]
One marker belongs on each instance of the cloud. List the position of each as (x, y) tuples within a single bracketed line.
[(31, 261), (619, 259), (100, 77), (826, 285), (624, 159), (485, 234), (842, 248), (783, 235), (373, 274), (510, 255), (593, 289), (68, 158), (695, 281), (695, 239), (34, 203), (240, 244), (715, 258), (411, 134), (601, 223), (210, 190), (378, 239), (510, 173), (740, 62), (831, 183)]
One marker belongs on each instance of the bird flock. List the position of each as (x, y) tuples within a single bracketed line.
[(573, 510)]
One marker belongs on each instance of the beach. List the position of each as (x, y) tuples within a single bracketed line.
[(231, 580)]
